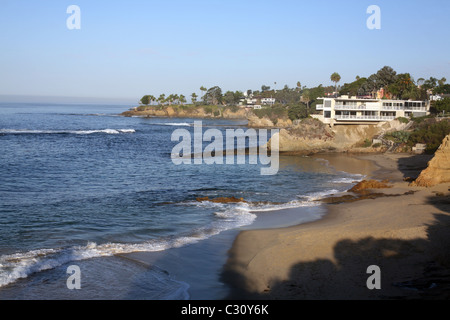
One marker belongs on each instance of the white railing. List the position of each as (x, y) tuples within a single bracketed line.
[(349, 107), (319, 106), (416, 108), (364, 118), (392, 108)]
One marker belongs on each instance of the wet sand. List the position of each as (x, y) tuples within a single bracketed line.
[(407, 237)]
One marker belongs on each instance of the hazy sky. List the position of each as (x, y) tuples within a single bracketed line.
[(126, 49)]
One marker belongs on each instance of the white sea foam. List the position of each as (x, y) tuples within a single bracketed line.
[(27, 131), (230, 216), (21, 265), (314, 196), (347, 180)]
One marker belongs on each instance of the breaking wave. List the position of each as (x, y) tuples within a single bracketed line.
[(26, 131)]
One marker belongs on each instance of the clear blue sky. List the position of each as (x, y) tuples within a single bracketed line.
[(126, 49)]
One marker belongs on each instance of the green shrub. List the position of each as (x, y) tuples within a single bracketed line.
[(274, 113), (431, 133), (142, 108), (398, 136), (216, 113), (376, 145), (234, 108), (297, 111), (208, 109), (367, 143), (403, 120)]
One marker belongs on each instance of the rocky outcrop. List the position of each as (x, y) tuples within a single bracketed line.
[(221, 199), (311, 136), (187, 112), (438, 170), (256, 122), (364, 185)]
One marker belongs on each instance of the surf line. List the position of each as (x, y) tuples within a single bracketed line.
[(213, 153)]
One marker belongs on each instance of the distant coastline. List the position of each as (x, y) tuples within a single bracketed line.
[(189, 111)]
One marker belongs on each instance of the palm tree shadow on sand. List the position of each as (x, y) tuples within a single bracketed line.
[(410, 269)]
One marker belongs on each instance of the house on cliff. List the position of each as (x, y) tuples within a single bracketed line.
[(353, 110)]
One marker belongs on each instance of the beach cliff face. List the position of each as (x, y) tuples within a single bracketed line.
[(312, 136), (256, 122), (438, 170)]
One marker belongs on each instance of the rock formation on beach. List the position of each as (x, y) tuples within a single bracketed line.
[(438, 170), (312, 136)]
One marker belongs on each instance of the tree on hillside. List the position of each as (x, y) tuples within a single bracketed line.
[(194, 97), (444, 89), (385, 77), (403, 87), (145, 100), (442, 105), (203, 89), (299, 86), (382, 79), (430, 84), (354, 88), (214, 95), (442, 81), (297, 111), (265, 88), (335, 77), (228, 98), (306, 98), (162, 98)]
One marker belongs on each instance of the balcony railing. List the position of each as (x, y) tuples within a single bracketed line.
[(364, 118), (319, 106), (349, 107), (392, 108), (415, 109)]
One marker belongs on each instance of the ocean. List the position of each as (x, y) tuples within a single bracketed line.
[(81, 185)]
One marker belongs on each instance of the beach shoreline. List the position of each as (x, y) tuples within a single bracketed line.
[(406, 235)]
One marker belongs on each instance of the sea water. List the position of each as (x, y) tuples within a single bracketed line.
[(82, 185)]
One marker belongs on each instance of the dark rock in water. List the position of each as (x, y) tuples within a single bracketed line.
[(221, 199)]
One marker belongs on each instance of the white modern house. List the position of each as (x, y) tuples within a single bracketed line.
[(268, 101), (353, 110)]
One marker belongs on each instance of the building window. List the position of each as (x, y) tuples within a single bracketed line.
[(327, 114)]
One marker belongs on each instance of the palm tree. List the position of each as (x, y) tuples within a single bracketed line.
[(162, 98), (182, 99), (420, 81), (442, 81), (335, 77), (176, 98)]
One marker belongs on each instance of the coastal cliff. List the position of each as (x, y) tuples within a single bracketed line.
[(438, 170), (177, 111), (312, 136)]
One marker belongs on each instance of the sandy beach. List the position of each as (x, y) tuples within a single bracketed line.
[(406, 234)]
